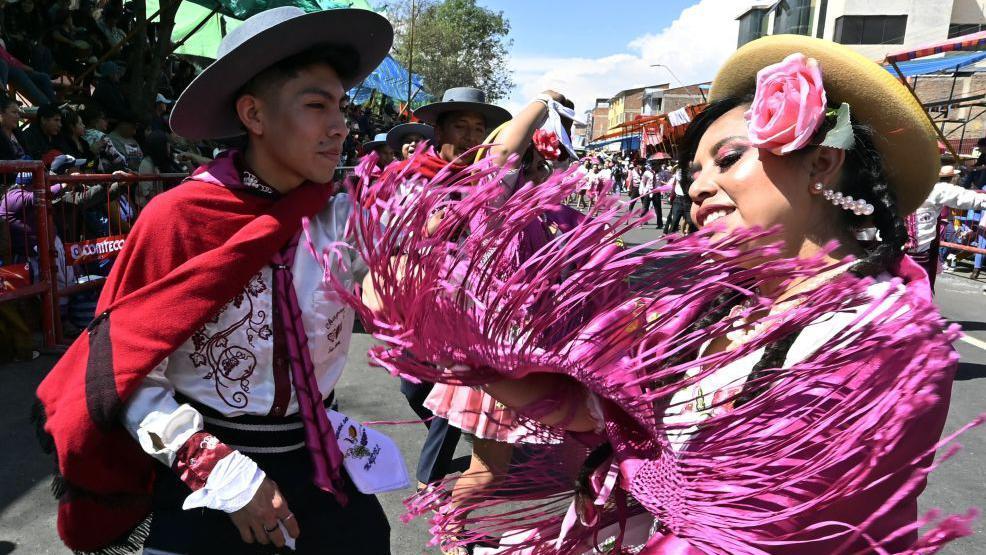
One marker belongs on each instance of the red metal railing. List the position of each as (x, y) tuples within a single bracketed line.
[(67, 213), (42, 285)]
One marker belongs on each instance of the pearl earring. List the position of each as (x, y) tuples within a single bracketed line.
[(818, 187), (858, 207)]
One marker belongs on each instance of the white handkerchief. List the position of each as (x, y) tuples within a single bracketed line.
[(288, 540), (373, 460)]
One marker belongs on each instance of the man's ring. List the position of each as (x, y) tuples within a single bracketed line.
[(269, 530), (287, 518)]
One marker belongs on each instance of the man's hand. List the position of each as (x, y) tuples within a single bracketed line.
[(257, 521)]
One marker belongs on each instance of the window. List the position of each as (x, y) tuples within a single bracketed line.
[(870, 29), (752, 25), (959, 29), (792, 17)]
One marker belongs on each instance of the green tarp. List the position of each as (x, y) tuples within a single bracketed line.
[(243, 9), (205, 41)]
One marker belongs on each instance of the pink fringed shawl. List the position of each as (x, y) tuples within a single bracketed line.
[(827, 456)]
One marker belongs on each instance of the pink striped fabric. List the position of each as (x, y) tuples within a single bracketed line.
[(473, 411)]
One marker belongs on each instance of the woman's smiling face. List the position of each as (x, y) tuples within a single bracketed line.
[(736, 185)]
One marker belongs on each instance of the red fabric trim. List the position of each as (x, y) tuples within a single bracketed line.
[(427, 163), (197, 457)]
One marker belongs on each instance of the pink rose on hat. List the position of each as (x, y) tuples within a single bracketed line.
[(789, 105)]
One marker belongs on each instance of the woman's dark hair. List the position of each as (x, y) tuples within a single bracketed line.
[(156, 148), (69, 118), (863, 178), (91, 114), (6, 101)]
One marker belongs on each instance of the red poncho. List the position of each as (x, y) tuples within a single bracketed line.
[(192, 250)]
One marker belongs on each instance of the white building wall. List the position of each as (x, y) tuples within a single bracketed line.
[(969, 11), (927, 21)]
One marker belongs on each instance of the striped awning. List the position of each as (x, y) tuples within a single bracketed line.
[(975, 41)]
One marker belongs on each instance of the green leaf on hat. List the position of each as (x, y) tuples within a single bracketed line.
[(840, 136)]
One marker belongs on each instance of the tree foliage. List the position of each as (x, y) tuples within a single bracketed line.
[(455, 43)]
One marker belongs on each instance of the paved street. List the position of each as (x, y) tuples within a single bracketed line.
[(27, 509)]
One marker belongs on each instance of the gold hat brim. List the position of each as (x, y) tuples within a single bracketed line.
[(904, 136)]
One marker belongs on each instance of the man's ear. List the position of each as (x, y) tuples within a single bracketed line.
[(250, 110)]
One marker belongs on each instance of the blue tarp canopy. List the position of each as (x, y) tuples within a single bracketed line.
[(390, 79), (924, 66)]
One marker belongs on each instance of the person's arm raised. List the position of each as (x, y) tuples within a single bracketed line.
[(516, 137)]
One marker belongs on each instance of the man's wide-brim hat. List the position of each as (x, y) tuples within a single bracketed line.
[(395, 137), (206, 110), (463, 99), (903, 134), (379, 139)]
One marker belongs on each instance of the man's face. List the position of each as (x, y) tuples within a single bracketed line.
[(411, 140), (459, 132), (100, 124), (385, 155), (51, 126), (301, 124)]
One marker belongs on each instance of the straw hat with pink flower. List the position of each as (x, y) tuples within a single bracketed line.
[(805, 89)]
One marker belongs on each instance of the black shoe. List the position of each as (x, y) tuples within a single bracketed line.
[(975, 274)]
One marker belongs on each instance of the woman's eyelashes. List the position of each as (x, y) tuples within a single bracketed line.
[(726, 157)]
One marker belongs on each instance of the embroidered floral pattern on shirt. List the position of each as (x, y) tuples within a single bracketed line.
[(230, 367)]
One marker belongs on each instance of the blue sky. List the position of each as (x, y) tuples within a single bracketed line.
[(587, 49), (579, 27)]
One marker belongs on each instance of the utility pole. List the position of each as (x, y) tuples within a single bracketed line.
[(410, 63)]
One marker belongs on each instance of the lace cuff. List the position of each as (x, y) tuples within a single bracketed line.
[(228, 485)]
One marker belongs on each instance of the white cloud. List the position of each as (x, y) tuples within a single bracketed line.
[(694, 46)]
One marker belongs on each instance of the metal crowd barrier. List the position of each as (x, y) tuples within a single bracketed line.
[(961, 247), (61, 243), (80, 225), (22, 209)]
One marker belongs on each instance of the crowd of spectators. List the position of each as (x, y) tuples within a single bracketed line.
[(67, 98)]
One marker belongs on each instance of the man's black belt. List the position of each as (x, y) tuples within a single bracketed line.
[(251, 433)]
